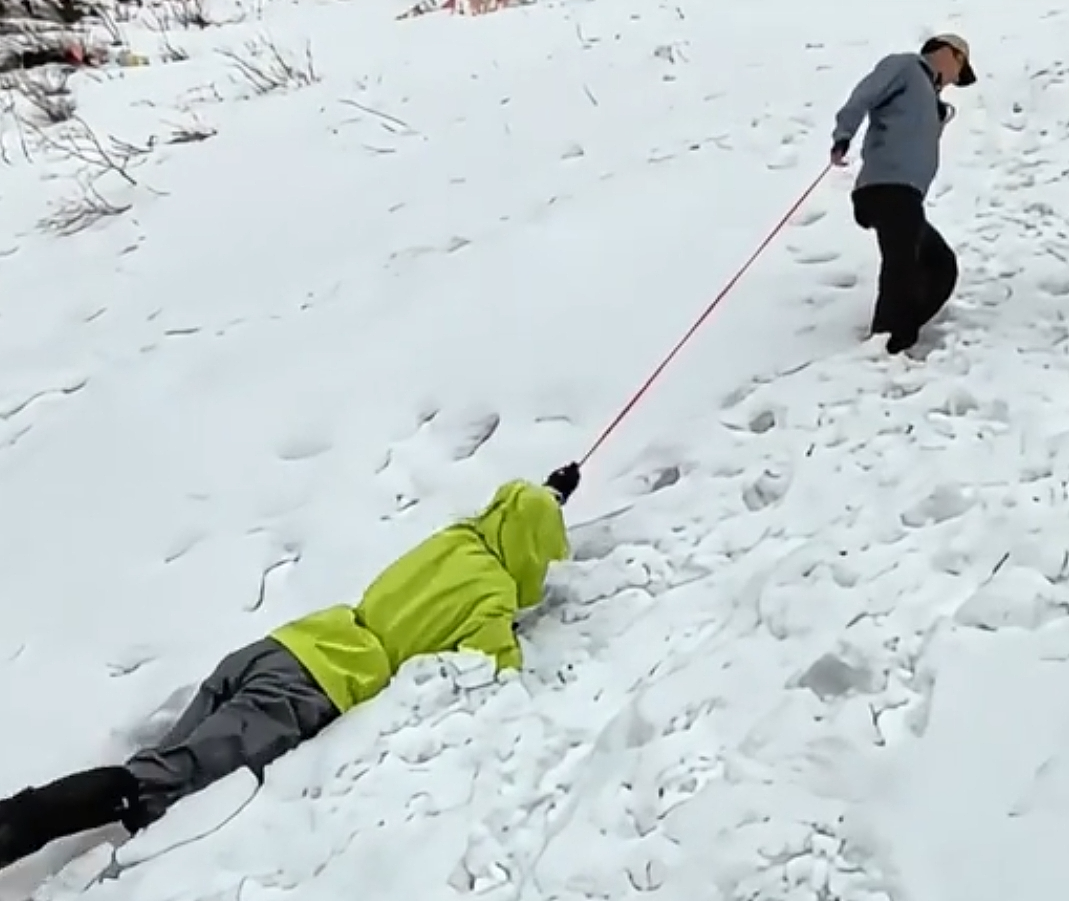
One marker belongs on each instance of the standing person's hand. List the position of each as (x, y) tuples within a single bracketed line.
[(838, 153)]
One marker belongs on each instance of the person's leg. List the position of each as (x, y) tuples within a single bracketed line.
[(939, 273), (98, 797), (35, 817), (259, 704), (216, 690), (896, 213), (276, 706)]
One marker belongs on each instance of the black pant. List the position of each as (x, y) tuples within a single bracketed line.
[(918, 270)]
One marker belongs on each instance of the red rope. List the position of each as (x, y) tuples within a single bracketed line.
[(638, 395)]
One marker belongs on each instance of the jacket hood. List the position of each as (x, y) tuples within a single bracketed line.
[(524, 527)]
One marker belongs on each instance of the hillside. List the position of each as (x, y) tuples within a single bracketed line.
[(314, 280)]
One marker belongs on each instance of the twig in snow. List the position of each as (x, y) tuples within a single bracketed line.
[(583, 42), (266, 575), (590, 95), (390, 123), (1001, 563), (191, 133)]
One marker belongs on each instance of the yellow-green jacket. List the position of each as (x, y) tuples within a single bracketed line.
[(458, 590)]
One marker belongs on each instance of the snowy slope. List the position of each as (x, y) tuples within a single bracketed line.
[(821, 653)]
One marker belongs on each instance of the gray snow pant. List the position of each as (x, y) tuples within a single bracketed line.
[(258, 704)]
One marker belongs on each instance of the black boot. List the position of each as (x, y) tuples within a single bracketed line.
[(901, 340), (37, 816)]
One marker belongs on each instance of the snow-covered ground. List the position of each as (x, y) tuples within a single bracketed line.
[(820, 651)]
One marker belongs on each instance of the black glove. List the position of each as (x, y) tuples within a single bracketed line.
[(564, 481), (838, 151)]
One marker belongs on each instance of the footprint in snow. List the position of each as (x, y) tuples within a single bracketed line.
[(815, 257), (738, 395), (476, 434), (931, 340), (808, 217), (426, 416), (901, 390), (572, 152), (302, 447), (762, 422), (766, 490), (819, 299), (130, 661), (946, 502), (182, 543), (1057, 286), (831, 677), (785, 157), (841, 279), (958, 402), (663, 478)]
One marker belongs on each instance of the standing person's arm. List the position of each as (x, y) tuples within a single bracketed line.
[(874, 89)]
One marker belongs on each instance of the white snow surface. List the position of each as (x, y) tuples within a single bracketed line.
[(820, 650)]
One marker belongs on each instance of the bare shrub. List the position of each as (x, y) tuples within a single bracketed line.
[(172, 53), (169, 51), (111, 23), (79, 142), (190, 13), (7, 114), (75, 214), (17, 15), (191, 132), (267, 68), (98, 160), (47, 94)]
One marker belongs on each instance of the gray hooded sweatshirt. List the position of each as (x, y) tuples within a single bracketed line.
[(901, 145)]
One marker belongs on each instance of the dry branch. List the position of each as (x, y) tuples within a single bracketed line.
[(267, 68), (76, 214)]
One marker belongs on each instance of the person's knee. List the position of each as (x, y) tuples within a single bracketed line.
[(946, 275), (952, 267), (265, 729), (158, 787)]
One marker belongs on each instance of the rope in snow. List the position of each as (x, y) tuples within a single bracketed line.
[(638, 395)]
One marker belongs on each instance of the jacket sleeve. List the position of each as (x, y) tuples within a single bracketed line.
[(491, 633), (946, 113), (870, 92)]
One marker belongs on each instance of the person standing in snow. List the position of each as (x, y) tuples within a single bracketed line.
[(900, 159), (458, 590)]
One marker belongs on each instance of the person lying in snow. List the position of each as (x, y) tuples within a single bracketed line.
[(458, 590)]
